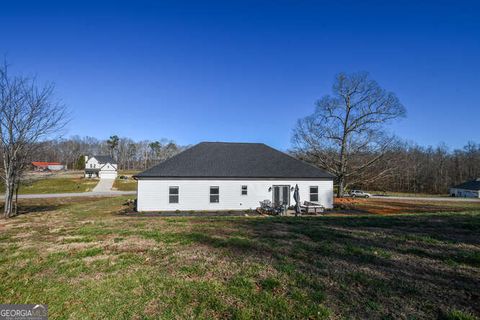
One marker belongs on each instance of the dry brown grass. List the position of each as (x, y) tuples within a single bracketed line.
[(393, 206)]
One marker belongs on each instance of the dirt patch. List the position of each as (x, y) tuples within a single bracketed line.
[(391, 206), (24, 235)]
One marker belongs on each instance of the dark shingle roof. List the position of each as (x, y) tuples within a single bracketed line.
[(104, 159), (233, 160), (469, 185)]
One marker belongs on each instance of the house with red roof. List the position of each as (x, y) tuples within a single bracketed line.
[(47, 166)]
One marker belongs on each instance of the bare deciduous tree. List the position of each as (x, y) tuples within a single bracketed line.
[(346, 134), (28, 114)]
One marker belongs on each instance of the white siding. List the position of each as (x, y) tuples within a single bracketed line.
[(152, 195), (464, 193), (55, 167), (92, 163)]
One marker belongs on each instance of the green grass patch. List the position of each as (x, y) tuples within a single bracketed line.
[(89, 253), (458, 315), (86, 260), (270, 284)]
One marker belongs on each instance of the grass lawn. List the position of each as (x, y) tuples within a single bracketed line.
[(128, 173), (55, 185), (125, 184), (85, 260)]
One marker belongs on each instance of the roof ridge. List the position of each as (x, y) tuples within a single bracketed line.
[(104, 159), (226, 142)]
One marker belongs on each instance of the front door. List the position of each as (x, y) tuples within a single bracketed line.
[(281, 195)]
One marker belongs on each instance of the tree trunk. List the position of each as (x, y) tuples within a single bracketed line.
[(9, 190), (341, 186), (16, 197), (343, 152), (7, 209)]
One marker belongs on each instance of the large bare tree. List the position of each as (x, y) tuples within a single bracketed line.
[(28, 114), (347, 132)]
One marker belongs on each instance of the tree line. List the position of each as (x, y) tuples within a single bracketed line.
[(404, 167), (129, 154), (420, 169), (409, 167)]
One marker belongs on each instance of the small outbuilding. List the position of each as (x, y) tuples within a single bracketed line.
[(47, 166), (469, 189), (217, 176)]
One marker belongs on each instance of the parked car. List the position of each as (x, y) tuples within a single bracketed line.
[(359, 194)]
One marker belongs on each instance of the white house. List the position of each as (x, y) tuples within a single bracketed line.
[(230, 176), (103, 167), (469, 189)]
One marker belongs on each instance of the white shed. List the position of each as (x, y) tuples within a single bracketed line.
[(469, 189), (218, 176)]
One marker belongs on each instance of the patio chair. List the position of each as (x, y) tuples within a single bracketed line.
[(265, 204), (267, 207)]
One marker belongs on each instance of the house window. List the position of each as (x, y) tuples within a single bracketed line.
[(214, 194), (314, 193), (244, 190), (173, 194)]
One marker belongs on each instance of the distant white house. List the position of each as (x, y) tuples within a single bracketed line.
[(103, 167), (230, 176), (469, 189)]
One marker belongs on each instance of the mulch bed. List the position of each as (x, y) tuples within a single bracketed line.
[(192, 214)]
